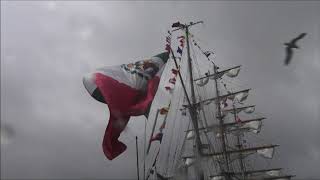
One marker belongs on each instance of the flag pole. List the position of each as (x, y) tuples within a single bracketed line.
[(144, 150), (137, 157)]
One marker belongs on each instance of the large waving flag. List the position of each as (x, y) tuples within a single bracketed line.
[(128, 90)]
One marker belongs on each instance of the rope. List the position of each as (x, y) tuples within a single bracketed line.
[(144, 149)]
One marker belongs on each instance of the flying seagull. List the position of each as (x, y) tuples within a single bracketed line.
[(290, 46)]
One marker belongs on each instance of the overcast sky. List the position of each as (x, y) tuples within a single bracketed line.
[(55, 129)]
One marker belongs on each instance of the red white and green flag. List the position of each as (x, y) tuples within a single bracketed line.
[(128, 90)]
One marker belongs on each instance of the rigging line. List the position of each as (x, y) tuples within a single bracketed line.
[(195, 59), (203, 52), (198, 88), (153, 164), (176, 150), (211, 147), (182, 147), (166, 129), (179, 131), (199, 40), (170, 139), (202, 109), (182, 83), (205, 94), (163, 120), (224, 136), (176, 135), (178, 104)]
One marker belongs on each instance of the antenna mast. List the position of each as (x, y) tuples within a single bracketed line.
[(192, 104), (192, 108)]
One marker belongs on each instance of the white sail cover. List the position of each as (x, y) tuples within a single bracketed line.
[(233, 72), (190, 135), (218, 135), (218, 178), (253, 126), (266, 153), (170, 87), (189, 161), (207, 102), (249, 110), (241, 96), (216, 76), (203, 81), (230, 73), (231, 97), (273, 173)]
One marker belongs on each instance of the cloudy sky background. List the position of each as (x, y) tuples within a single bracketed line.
[(54, 128)]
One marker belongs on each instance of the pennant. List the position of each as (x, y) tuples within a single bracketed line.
[(179, 51), (190, 135), (182, 42), (163, 125), (172, 80), (224, 103), (157, 137), (183, 112), (128, 90), (168, 39), (168, 88), (164, 110), (168, 49), (238, 120), (174, 71), (176, 24), (208, 53)]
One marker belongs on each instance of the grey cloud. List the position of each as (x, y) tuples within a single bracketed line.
[(47, 47)]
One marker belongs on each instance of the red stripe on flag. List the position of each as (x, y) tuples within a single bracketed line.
[(123, 101)]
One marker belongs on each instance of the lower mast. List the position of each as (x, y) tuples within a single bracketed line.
[(221, 124), (239, 145), (192, 109)]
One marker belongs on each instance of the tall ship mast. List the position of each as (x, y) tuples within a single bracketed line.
[(204, 129)]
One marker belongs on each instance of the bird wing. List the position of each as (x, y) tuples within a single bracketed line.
[(298, 38), (289, 53)]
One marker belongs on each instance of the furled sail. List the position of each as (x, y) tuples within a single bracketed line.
[(190, 135), (217, 178), (251, 126), (249, 110), (266, 152), (246, 109), (216, 76), (203, 82), (241, 96), (189, 161), (233, 72), (273, 173)]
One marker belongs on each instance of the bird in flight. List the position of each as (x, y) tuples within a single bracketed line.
[(290, 46)]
